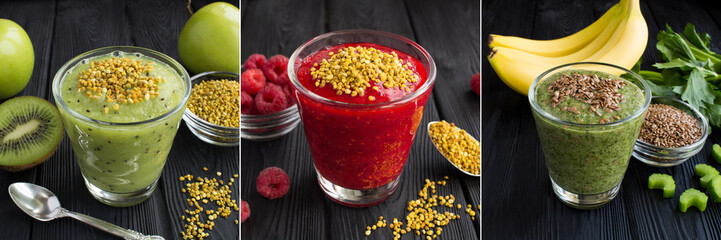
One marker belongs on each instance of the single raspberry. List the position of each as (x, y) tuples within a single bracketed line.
[(252, 81), (476, 83), (246, 103), (271, 99), (274, 67), (272, 183), (255, 61), (244, 210)]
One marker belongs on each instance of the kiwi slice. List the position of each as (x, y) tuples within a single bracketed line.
[(30, 131)]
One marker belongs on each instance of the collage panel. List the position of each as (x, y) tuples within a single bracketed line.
[(341, 102), (599, 119), (119, 119)]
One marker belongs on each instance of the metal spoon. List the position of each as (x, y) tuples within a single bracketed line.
[(43, 205), (428, 128)]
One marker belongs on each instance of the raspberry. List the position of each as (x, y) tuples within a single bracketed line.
[(246, 103), (274, 67), (476, 83), (271, 99), (252, 81), (244, 210), (255, 61), (282, 79), (272, 183), (288, 91)]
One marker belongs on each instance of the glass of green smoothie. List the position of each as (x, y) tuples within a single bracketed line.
[(588, 119), (121, 107)]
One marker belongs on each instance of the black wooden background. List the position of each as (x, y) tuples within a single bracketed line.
[(518, 200), (61, 30), (449, 30)]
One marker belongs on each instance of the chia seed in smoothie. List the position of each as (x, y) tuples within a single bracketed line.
[(117, 157), (588, 150)]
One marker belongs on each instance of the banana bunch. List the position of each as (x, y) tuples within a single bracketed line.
[(619, 37)]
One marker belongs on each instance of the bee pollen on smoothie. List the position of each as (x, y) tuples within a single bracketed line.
[(352, 69), (119, 80)]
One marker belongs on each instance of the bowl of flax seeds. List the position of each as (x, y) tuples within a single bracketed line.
[(671, 133)]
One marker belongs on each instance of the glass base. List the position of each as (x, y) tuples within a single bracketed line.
[(356, 197), (585, 201), (121, 199)]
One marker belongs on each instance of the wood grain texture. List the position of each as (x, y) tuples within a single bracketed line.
[(517, 196), (450, 33), (270, 28), (305, 213), (39, 29), (62, 30)]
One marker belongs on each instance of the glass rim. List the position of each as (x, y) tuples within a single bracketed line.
[(430, 77), (183, 74), (537, 108)]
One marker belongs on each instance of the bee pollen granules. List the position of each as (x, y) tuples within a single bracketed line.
[(217, 101)]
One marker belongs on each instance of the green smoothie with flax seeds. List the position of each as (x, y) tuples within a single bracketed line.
[(127, 124), (588, 150)]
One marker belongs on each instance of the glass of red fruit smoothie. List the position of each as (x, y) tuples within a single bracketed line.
[(361, 95)]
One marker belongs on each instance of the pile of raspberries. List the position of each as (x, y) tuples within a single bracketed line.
[(265, 86)]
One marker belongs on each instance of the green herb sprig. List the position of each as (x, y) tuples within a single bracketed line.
[(692, 72)]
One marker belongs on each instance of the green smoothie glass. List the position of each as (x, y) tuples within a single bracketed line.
[(121, 148), (587, 150)]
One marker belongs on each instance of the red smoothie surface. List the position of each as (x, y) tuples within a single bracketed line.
[(360, 146)]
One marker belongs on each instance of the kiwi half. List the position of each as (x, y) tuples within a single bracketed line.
[(30, 131)]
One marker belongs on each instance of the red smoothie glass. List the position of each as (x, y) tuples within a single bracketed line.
[(360, 144)]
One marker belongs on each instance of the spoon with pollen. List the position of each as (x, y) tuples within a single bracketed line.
[(41, 204), (437, 146)]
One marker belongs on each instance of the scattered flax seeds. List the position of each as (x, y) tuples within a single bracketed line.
[(121, 80), (205, 191), (456, 145), (669, 127), (423, 218), (601, 93), (352, 69), (216, 101)]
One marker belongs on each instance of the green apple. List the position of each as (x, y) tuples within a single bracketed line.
[(210, 39), (17, 58)]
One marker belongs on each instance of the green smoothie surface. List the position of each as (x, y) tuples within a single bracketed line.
[(170, 92), (632, 99)]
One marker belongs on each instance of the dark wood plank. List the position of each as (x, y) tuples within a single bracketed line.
[(279, 27), (513, 161), (270, 28), (77, 31), (449, 31), (648, 209), (424, 161), (157, 25), (188, 156), (37, 19)]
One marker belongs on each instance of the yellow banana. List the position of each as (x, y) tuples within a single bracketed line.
[(626, 44), (561, 46), (517, 68), (630, 46)]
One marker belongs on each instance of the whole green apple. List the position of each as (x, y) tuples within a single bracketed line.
[(210, 39), (17, 58)]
